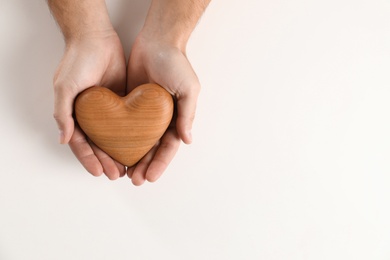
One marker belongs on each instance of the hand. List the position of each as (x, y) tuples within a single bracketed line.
[(167, 65), (94, 59)]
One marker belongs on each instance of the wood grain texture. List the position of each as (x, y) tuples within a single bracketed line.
[(126, 128)]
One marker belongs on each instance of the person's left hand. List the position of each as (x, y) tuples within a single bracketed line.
[(152, 61)]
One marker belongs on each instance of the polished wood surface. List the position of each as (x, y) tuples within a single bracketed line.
[(126, 128)]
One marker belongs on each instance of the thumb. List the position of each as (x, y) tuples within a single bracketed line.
[(63, 109), (186, 107)]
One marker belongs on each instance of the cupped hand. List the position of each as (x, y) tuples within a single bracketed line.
[(168, 66), (94, 59)]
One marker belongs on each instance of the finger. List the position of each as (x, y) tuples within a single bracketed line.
[(139, 173), (166, 151), (63, 109), (110, 167), (121, 168), (130, 171), (186, 107), (84, 153)]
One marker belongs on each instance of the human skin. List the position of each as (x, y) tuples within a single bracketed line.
[(94, 56), (159, 56)]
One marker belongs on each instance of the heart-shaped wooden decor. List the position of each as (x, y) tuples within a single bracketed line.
[(126, 128)]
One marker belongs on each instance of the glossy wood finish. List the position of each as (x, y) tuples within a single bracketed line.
[(126, 128)]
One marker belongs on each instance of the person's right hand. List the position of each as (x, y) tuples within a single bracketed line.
[(94, 59)]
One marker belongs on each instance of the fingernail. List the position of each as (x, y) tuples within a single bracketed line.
[(189, 135), (61, 136)]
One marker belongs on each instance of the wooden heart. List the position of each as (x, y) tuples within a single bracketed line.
[(126, 128)]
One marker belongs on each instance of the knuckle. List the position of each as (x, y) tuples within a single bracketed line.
[(198, 86), (57, 116), (190, 118), (195, 86), (64, 86)]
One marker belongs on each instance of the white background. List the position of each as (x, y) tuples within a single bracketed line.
[(291, 148)]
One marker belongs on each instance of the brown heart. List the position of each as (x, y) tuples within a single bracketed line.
[(126, 128)]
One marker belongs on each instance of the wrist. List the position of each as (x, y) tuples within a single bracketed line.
[(89, 28), (154, 36), (171, 22), (91, 36), (81, 19)]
